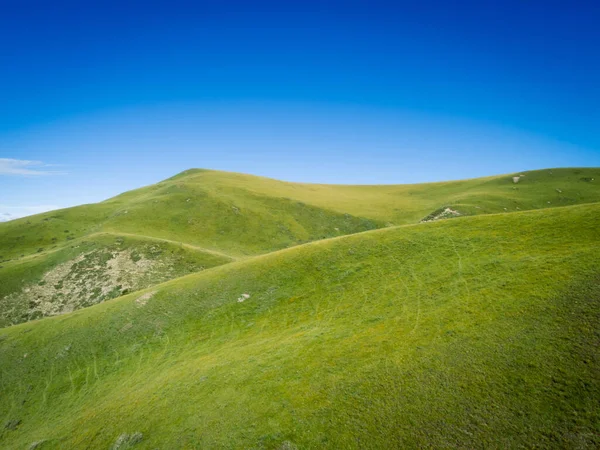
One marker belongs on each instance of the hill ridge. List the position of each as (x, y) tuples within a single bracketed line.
[(199, 170), (232, 216), (315, 244)]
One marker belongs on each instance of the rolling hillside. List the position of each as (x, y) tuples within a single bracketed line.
[(228, 328), (243, 215), (476, 332), (63, 260)]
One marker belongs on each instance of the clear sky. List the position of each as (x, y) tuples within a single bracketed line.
[(98, 97)]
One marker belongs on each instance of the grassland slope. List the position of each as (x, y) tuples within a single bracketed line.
[(47, 267), (476, 332), (400, 204), (244, 215)]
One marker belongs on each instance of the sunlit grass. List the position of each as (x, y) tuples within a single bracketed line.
[(474, 332)]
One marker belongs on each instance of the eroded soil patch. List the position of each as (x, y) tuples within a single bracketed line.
[(88, 279)]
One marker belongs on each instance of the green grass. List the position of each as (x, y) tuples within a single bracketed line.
[(403, 204), (475, 332), (243, 215), (233, 216)]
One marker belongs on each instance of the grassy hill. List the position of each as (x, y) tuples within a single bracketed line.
[(91, 269), (243, 215), (476, 332), (212, 217)]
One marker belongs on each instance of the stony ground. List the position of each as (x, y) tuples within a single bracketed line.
[(98, 273)]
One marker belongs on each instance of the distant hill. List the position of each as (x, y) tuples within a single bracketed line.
[(248, 215), (63, 260)]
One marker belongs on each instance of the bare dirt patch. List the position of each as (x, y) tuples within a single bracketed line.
[(143, 299), (88, 279)]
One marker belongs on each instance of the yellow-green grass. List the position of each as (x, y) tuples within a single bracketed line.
[(476, 332), (409, 203), (243, 215), (233, 216)]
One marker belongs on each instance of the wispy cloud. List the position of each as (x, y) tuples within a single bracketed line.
[(10, 166), (14, 212)]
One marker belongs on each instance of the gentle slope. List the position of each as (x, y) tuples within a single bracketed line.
[(475, 332)]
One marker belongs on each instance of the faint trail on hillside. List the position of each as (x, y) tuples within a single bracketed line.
[(141, 236), (170, 241)]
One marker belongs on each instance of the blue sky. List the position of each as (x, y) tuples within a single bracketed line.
[(100, 97)]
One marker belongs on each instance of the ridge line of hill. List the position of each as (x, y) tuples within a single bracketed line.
[(199, 170), (133, 235), (394, 227), (334, 238), (298, 247), (171, 241), (238, 258)]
